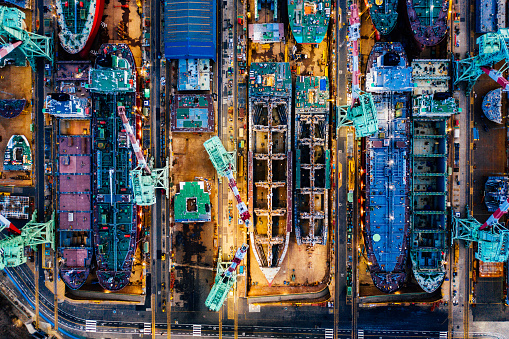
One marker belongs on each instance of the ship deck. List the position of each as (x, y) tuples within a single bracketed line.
[(115, 229), (270, 163), (387, 192), (428, 20), (312, 178), (74, 206), (309, 20), (384, 16), (429, 189)]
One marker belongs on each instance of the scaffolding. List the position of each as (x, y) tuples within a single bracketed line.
[(12, 248), (492, 243), (12, 23)]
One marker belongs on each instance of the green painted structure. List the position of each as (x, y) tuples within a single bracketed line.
[(362, 115), (12, 252), (192, 203), (144, 185), (492, 243), (221, 159), (493, 48), (12, 29)]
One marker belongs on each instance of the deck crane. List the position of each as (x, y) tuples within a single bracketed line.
[(144, 178), (493, 48), (12, 248), (224, 164), (225, 278), (361, 113), (492, 242), (5, 223)]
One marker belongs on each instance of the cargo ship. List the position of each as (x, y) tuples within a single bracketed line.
[(309, 20), (428, 244), (428, 20), (384, 15), (79, 23), (112, 83), (270, 164), (18, 156), (386, 166), (312, 160)]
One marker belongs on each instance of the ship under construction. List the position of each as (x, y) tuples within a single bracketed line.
[(270, 164), (386, 163), (312, 160), (112, 84)]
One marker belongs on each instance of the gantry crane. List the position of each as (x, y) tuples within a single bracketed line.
[(13, 29), (144, 178), (493, 48), (12, 248), (225, 279), (362, 112), (492, 238), (225, 165)]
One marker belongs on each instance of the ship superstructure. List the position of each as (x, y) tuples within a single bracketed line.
[(428, 20), (309, 20), (387, 167), (384, 15), (270, 164), (112, 84), (312, 160), (79, 22)]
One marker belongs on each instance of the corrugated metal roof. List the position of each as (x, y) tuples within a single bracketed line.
[(190, 29)]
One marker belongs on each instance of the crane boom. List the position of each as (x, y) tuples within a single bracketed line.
[(497, 76), (501, 210), (134, 142)]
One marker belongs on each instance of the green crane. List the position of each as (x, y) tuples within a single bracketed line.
[(12, 23), (493, 48), (12, 248), (492, 242), (362, 115)]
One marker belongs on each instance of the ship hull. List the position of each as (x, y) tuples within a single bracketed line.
[(387, 188), (78, 40), (428, 32), (384, 16), (309, 20), (270, 164), (115, 214)]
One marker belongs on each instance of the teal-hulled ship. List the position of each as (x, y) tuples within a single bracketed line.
[(309, 20), (384, 15)]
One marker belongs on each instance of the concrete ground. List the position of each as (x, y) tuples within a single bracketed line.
[(16, 85)]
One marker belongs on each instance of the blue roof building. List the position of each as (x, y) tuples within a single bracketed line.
[(190, 29)]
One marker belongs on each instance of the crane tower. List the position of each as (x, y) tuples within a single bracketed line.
[(492, 242), (144, 178), (225, 166)]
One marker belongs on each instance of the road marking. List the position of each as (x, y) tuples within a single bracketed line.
[(443, 335), (147, 328), (196, 330), (360, 334), (91, 326), (329, 333)]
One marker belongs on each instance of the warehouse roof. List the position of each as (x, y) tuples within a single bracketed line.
[(190, 29)]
